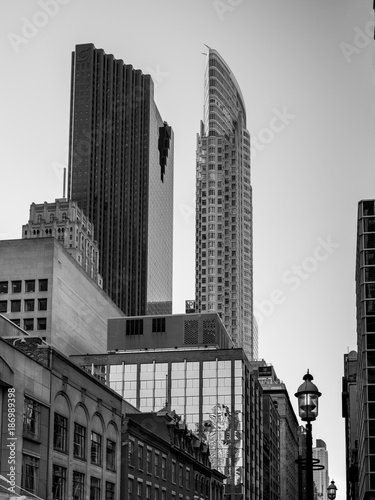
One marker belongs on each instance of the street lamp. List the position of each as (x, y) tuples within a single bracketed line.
[(331, 490), (308, 395)]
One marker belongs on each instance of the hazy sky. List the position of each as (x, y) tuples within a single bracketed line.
[(306, 70)]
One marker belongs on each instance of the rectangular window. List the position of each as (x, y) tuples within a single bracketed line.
[(164, 467), (130, 488), (28, 324), (42, 323), (139, 490), (181, 475), (79, 441), (94, 488), (157, 464), (158, 325), (60, 433), (109, 491), (78, 486), (16, 286), (3, 287), (187, 478), (29, 305), (3, 306), (42, 304), (43, 285), (15, 306), (31, 419), (30, 472), (173, 471), (134, 327), (111, 455), (96, 448), (148, 492), (148, 461), (30, 286), (140, 457), (131, 453), (58, 483)]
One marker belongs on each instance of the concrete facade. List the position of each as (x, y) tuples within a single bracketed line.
[(54, 297)]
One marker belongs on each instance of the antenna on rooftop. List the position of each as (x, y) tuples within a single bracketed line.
[(64, 182)]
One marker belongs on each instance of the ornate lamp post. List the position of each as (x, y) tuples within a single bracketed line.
[(308, 395), (331, 491)]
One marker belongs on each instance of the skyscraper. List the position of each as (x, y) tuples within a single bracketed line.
[(321, 478), (119, 181), (223, 266), (365, 378)]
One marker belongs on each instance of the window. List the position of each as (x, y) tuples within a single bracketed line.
[(28, 324), (58, 483), (134, 327), (130, 488), (148, 461), (140, 457), (131, 453), (163, 495), (29, 305), (78, 486), (148, 492), (94, 488), (158, 325), (3, 287), (42, 323), (139, 490), (164, 467), (3, 306), (30, 472), (187, 478), (30, 286), (109, 491), (16, 286), (96, 448), (157, 465), (42, 304), (79, 441), (111, 455), (15, 306), (173, 471), (43, 285), (60, 433), (31, 419), (181, 475)]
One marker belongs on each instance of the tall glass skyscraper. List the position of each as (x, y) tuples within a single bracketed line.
[(120, 181), (223, 266)]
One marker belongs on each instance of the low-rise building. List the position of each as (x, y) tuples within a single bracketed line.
[(60, 428)]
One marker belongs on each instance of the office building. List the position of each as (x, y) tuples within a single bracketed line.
[(223, 267), (271, 450), (64, 221), (365, 299), (212, 387), (289, 442), (349, 413), (62, 438), (321, 478), (46, 292), (121, 176)]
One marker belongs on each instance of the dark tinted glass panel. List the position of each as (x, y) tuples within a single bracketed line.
[(371, 392), (370, 341), (371, 411), (370, 324), (368, 208), (371, 427), (370, 273)]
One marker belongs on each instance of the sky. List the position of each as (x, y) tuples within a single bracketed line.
[(306, 70)]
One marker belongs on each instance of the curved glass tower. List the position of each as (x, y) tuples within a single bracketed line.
[(223, 269)]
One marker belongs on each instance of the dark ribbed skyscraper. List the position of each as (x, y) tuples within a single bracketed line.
[(223, 266), (120, 181)]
